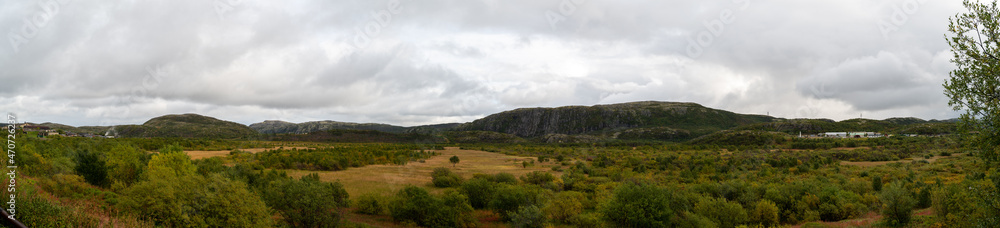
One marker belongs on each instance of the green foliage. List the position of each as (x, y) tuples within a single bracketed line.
[(444, 178), (639, 205), (587, 220), (209, 166), (340, 157), (565, 205), (454, 160), (898, 204), (764, 213), (126, 164), (482, 137), (480, 191), (722, 212), (973, 86), (877, 183), (414, 204), (91, 165), (538, 178), (509, 198), (740, 138), (528, 217), (307, 202), (172, 194), (504, 178), (924, 198), (370, 204)]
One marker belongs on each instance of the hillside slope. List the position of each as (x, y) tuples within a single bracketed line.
[(572, 120), (187, 126), (282, 127)]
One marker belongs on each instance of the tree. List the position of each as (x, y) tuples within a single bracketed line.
[(172, 194), (528, 217), (480, 192), (125, 165), (721, 211), (307, 202), (764, 213), (91, 166), (639, 205), (454, 160), (414, 204), (974, 85), (565, 205), (897, 205)]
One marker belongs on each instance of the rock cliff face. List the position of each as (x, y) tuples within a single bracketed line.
[(282, 127), (571, 120)]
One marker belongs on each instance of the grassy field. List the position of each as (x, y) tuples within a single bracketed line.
[(387, 179), (870, 164)]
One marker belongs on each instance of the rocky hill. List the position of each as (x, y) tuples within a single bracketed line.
[(689, 120), (188, 126), (282, 127)]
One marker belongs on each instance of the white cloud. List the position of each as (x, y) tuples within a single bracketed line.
[(454, 61)]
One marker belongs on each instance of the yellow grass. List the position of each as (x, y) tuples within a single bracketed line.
[(387, 179)]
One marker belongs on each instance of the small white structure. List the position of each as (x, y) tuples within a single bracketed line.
[(834, 134)]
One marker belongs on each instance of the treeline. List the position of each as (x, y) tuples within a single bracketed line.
[(357, 136), (339, 157)]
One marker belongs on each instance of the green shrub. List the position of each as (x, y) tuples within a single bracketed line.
[(370, 204), (877, 183), (897, 204), (764, 213), (638, 205), (586, 220), (721, 211), (565, 205), (528, 217), (480, 192), (91, 166), (505, 178), (444, 178), (414, 205), (510, 198)]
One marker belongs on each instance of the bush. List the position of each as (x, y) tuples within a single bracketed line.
[(528, 217), (505, 178), (369, 204), (638, 205), (764, 213), (897, 204), (721, 211), (877, 183), (91, 166), (537, 178), (444, 178), (415, 205), (307, 202), (480, 192), (586, 220), (565, 205), (510, 198), (924, 198)]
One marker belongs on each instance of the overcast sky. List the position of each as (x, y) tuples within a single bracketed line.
[(408, 62)]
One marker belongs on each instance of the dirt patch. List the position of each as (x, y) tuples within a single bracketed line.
[(387, 179), (199, 154)]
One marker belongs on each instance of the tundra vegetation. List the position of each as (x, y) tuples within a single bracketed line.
[(728, 179)]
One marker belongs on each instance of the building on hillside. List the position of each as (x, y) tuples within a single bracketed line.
[(834, 134)]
